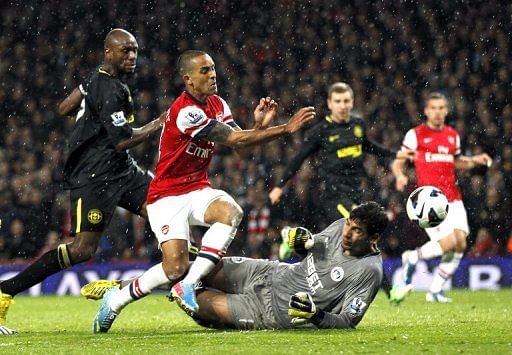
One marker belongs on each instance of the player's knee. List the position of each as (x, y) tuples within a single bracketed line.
[(175, 270), (235, 215), (460, 241), (79, 253)]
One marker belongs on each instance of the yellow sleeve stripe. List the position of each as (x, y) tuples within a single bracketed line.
[(78, 215)]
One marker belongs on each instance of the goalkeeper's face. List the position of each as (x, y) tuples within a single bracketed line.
[(355, 239)]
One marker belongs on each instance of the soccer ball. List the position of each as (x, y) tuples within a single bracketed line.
[(427, 206)]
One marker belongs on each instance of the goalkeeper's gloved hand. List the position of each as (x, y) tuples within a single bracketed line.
[(302, 308), (300, 239)]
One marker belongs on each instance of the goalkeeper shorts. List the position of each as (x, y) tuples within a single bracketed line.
[(249, 293)]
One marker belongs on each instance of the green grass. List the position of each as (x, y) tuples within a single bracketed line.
[(477, 323)]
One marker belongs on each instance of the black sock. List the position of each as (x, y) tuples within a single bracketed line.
[(45, 266)]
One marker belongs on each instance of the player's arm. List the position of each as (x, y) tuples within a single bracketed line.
[(398, 170), (370, 146), (410, 143), (356, 301), (224, 134), (467, 163), (139, 135), (310, 145), (71, 103)]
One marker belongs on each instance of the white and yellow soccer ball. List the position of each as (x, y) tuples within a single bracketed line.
[(427, 206)]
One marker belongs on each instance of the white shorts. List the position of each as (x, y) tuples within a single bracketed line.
[(456, 219), (171, 217)]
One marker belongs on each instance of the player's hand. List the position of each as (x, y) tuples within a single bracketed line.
[(275, 195), (406, 154), (300, 239), (302, 308), (301, 117), (401, 182), (265, 113), (482, 159)]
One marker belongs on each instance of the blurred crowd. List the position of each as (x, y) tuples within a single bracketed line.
[(390, 52)]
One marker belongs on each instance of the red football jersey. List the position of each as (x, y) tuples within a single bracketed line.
[(184, 157), (435, 163)]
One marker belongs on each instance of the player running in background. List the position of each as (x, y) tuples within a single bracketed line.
[(438, 154), (99, 170), (338, 144), (332, 287), (180, 195)]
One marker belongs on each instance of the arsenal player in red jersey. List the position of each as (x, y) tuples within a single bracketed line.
[(438, 155), (180, 195)]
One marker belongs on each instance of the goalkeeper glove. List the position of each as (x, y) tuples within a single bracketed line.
[(302, 308), (300, 239)]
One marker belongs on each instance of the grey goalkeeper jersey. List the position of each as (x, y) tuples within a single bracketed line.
[(342, 286)]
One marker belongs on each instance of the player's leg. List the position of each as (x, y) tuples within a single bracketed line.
[(220, 211), (92, 210), (450, 260), (242, 299), (169, 221)]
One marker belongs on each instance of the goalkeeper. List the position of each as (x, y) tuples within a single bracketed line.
[(331, 287)]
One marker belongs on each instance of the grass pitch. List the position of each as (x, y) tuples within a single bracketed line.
[(476, 323)]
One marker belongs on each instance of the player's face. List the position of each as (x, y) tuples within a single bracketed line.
[(355, 239), (436, 111), (340, 104), (202, 78), (124, 54)]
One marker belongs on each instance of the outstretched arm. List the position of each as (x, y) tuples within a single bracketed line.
[(466, 163), (139, 135), (224, 134)]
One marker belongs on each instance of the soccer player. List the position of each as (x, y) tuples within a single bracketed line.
[(180, 194), (438, 154), (99, 172), (338, 144), (332, 287)]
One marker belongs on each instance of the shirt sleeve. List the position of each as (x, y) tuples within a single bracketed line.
[(410, 141), (112, 114), (458, 151), (192, 120), (355, 304), (228, 116)]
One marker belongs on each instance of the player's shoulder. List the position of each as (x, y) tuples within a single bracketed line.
[(372, 266), (450, 129), (357, 119), (105, 83)]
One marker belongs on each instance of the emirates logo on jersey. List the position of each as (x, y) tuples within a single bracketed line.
[(218, 116), (165, 229)]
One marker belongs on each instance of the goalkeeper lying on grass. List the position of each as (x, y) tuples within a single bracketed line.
[(331, 287)]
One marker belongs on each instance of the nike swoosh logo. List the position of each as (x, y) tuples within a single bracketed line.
[(421, 212)]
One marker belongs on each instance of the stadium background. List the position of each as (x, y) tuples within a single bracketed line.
[(390, 52)]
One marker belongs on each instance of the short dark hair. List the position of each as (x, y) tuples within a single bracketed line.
[(339, 88), (184, 59), (372, 216), (435, 96)]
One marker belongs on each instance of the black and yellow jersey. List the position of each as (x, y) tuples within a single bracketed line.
[(338, 150), (102, 122)]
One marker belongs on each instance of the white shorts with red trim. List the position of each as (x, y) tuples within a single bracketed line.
[(171, 217)]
